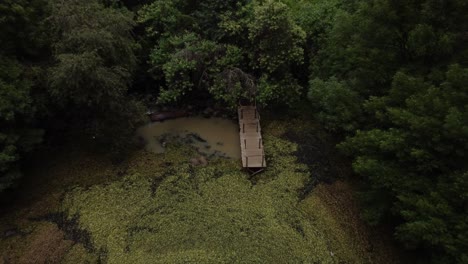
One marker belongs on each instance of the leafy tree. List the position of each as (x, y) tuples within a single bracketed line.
[(188, 56), (403, 65), (168, 17), (243, 42), (21, 40), (185, 62), (94, 61), (281, 90), (276, 46), (22, 33), (338, 106), (16, 113), (370, 41), (210, 13), (165, 18), (276, 40), (417, 158)]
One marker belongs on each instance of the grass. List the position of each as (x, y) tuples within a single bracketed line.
[(160, 209)]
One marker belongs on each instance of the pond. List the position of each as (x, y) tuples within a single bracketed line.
[(210, 136)]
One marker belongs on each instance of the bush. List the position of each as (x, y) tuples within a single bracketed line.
[(337, 106)]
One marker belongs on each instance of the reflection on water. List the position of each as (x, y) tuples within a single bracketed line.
[(211, 136)]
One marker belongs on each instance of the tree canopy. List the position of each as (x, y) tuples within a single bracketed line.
[(188, 58), (391, 76), (387, 78), (20, 42)]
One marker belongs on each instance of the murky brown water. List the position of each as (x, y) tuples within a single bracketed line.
[(211, 136)]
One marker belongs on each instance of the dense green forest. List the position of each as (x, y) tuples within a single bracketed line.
[(387, 78)]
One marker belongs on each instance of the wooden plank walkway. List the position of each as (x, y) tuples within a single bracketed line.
[(253, 155)]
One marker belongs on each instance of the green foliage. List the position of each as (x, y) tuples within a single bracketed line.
[(210, 13), (315, 17), (164, 17), (336, 105), (21, 27), (437, 220), (390, 74), (16, 113), (93, 66), (285, 90), (167, 17), (185, 62), (276, 40), (93, 63), (20, 39), (232, 84), (222, 47), (276, 47), (187, 56), (14, 101), (399, 95), (417, 158), (15, 90), (84, 80)]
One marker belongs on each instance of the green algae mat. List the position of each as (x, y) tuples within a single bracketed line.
[(161, 209)]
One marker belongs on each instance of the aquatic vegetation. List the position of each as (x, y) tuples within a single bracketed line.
[(212, 214), (206, 213), (159, 208)]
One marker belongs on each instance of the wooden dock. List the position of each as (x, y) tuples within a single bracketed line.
[(253, 155)]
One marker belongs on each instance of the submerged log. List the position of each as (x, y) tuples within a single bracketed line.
[(159, 117)]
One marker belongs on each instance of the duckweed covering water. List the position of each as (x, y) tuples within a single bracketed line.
[(163, 210), (201, 214)]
